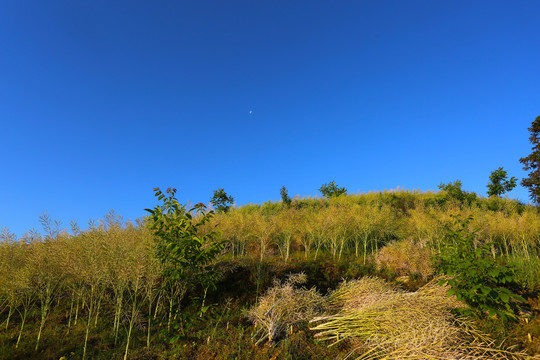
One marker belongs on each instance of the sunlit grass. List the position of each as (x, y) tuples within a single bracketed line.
[(382, 322), (102, 287)]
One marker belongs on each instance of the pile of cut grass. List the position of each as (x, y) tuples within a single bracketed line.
[(382, 322), (283, 306)]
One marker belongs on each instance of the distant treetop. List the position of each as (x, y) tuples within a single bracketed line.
[(332, 190)]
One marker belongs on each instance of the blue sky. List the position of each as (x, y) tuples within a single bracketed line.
[(102, 101)]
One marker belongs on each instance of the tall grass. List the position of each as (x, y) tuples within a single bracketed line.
[(360, 225), (83, 272), (112, 268)]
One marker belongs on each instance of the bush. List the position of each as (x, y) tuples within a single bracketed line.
[(185, 253), (332, 190), (221, 200), (285, 196), (499, 183), (477, 278), (454, 191)]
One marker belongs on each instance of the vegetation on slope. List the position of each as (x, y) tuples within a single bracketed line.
[(106, 292)]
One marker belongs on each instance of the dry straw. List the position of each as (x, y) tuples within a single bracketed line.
[(406, 257), (282, 307), (382, 322)]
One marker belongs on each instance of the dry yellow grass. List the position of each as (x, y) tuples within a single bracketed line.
[(382, 322), (407, 257), (360, 225), (283, 306)]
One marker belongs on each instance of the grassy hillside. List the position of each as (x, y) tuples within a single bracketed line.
[(362, 224), (102, 294)]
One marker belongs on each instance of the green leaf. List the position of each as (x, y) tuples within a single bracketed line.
[(494, 272), (485, 290)]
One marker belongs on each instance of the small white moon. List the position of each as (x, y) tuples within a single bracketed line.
[(250, 112)]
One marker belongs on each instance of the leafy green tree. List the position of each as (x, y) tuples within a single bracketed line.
[(454, 191), (476, 278), (499, 184), (532, 163), (184, 251), (332, 190), (221, 201), (285, 196)]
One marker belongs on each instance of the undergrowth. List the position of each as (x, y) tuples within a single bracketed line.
[(99, 288)]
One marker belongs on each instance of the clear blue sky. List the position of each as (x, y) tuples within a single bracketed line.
[(101, 101)]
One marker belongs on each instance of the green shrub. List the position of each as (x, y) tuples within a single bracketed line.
[(454, 191), (476, 277), (185, 253), (221, 200), (285, 196), (499, 183), (332, 190)]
